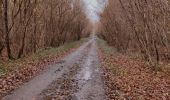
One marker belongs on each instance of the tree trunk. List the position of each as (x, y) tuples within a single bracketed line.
[(7, 40), (22, 46)]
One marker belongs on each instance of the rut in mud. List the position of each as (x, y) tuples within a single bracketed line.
[(76, 77)]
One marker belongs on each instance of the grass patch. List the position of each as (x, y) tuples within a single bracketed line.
[(10, 65), (108, 50)]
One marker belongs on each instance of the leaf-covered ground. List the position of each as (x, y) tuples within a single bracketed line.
[(131, 78), (15, 73)]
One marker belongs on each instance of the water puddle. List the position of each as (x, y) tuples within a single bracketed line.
[(86, 71), (87, 74), (88, 62)]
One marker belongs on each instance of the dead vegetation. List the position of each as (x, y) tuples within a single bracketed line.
[(138, 26), (137, 65), (29, 25), (15, 73), (131, 78)]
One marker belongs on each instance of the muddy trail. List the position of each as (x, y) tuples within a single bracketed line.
[(75, 77)]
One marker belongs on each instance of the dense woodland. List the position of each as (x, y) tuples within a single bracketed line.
[(29, 25), (129, 61), (138, 26)]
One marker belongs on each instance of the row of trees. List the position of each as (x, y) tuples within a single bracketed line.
[(29, 25), (138, 26)]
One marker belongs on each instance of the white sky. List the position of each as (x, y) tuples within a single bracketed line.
[(92, 7)]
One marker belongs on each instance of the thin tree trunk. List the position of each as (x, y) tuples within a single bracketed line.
[(7, 40), (1, 49)]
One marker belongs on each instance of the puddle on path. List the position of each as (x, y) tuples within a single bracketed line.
[(86, 73), (89, 78), (86, 70)]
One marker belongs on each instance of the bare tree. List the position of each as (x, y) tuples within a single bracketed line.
[(29, 25), (138, 26)]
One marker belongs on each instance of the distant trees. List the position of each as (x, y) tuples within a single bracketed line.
[(137, 26), (28, 25)]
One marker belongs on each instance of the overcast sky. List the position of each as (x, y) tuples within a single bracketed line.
[(93, 6)]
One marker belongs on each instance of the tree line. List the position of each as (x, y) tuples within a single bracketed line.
[(139, 26), (29, 25)]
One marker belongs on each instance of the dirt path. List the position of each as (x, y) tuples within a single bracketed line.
[(76, 77)]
